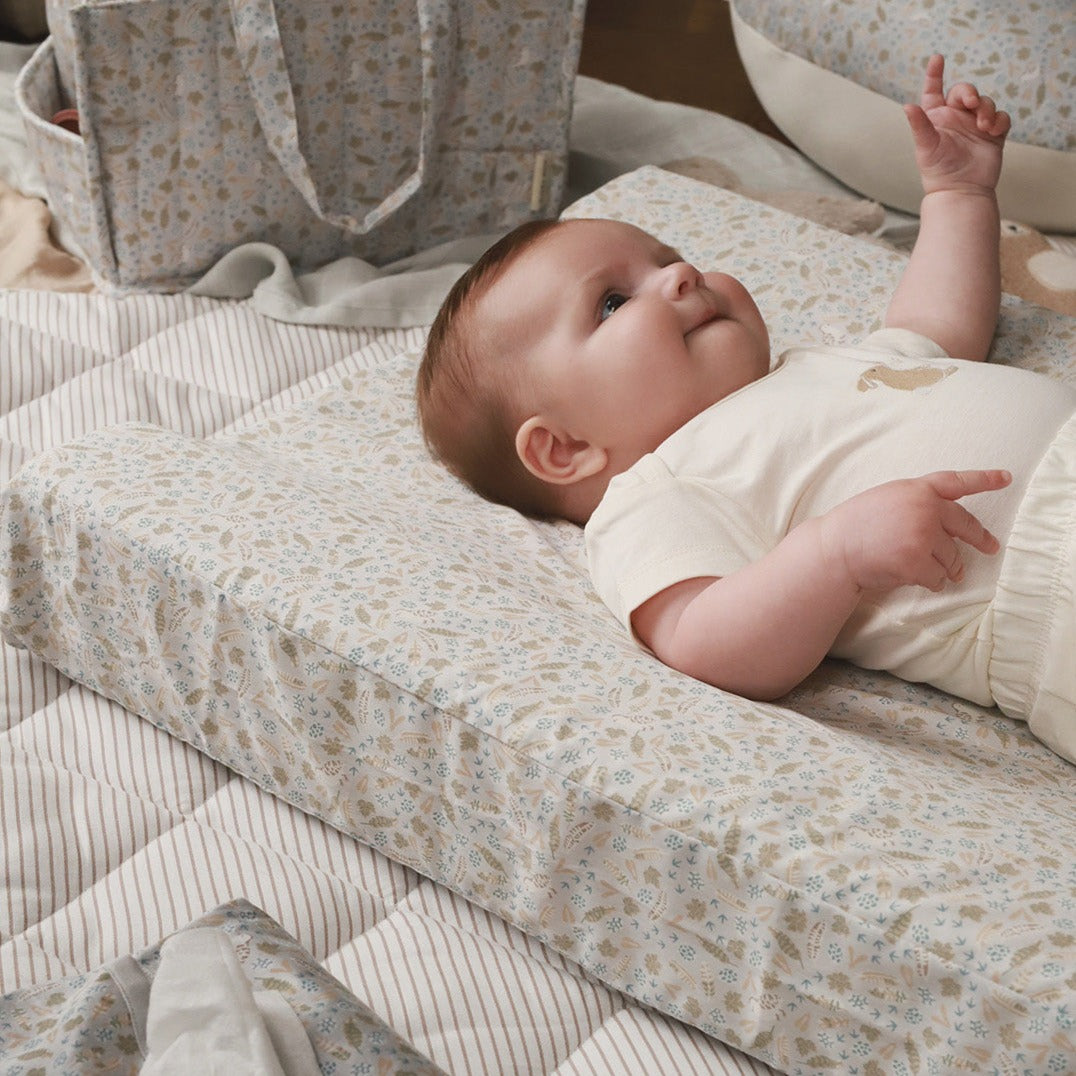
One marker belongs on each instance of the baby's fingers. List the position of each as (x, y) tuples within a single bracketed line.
[(989, 120), (957, 521), (961, 525), (948, 559), (933, 82), (987, 110), (963, 95), (952, 485), (923, 131), (999, 125)]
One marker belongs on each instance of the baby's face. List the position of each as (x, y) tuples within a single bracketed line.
[(623, 341)]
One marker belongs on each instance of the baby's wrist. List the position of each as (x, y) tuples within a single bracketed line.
[(829, 533), (959, 189)]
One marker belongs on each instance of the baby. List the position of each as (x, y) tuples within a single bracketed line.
[(745, 520)]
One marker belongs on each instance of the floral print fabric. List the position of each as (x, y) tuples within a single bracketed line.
[(367, 128), (872, 878), (1022, 54), (96, 1022)]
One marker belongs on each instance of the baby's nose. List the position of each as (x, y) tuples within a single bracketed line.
[(680, 279)]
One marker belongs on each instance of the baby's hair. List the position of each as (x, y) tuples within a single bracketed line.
[(468, 390)]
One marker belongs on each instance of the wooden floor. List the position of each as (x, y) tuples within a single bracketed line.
[(672, 50)]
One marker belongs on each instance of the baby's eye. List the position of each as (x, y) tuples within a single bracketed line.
[(611, 303)]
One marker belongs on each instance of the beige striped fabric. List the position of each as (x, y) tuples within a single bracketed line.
[(115, 835)]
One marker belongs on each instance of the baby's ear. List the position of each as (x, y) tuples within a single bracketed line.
[(552, 455)]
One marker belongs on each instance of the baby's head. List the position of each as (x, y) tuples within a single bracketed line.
[(469, 387), (570, 350)]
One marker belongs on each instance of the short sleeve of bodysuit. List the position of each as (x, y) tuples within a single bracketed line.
[(653, 529)]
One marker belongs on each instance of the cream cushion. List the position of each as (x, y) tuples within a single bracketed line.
[(833, 77)]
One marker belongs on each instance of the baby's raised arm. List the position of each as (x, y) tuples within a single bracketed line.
[(951, 288)]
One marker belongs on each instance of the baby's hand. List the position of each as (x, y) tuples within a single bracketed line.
[(908, 532), (958, 136)]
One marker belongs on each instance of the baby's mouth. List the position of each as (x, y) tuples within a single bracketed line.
[(708, 317)]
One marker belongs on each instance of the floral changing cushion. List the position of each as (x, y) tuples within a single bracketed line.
[(874, 878)]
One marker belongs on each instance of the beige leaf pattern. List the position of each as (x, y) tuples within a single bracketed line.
[(347, 95), (1023, 57), (85, 1023), (876, 877)]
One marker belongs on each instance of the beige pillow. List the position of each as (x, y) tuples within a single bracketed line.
[(835, 81)]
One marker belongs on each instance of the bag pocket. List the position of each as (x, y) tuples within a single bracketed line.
[(61, 156)]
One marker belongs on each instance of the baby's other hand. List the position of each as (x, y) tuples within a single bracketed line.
[(958, 135), (910, 532)]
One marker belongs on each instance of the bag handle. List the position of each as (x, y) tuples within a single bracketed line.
[(261, 54)]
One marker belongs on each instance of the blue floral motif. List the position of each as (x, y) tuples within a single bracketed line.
[(871, 863)]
